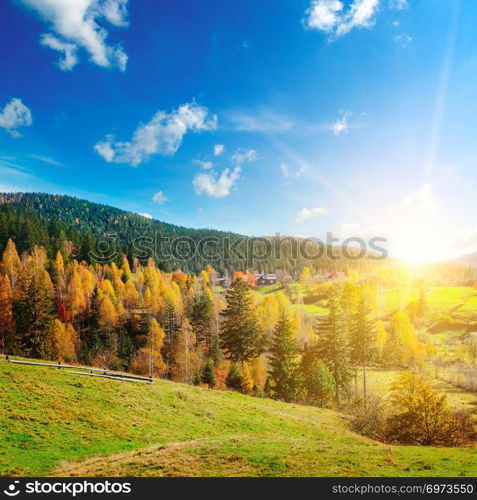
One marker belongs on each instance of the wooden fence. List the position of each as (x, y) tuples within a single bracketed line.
[(84, 370)]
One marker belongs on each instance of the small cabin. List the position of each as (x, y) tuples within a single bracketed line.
[(224, 282), (338, 275), (266, 279)]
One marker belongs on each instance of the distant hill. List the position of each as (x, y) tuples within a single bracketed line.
[(467, 260), (49, 220), (56, 423)]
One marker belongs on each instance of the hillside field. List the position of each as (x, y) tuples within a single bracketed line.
[(55, 423)]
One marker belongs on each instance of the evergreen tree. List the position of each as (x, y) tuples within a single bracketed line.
[(362, 338), (318, 382), (197, 379), (208, 375), (234, 379), (35, 320), (284, 370), (333, 347), (202, 320), (240, 329)]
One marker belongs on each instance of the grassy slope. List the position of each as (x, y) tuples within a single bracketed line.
[(51, 421)]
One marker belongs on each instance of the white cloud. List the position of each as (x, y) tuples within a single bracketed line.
[(403, 39), (15, 115), (216, 186), (331, 17), (206, 165), (323, 15), (262, 120), (46, 159), (218, 149), (398, 4), (308, 213), (288, 173), (69, 51), (244, 156), (146, 215), (341, 125), (422, 200), (75, 24), (162, 135), (159, 198)]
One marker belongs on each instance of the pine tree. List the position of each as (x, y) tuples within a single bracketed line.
[(240, 330), (208, 375), (34, 318), (284, 370), (333, 347), (362, 338)]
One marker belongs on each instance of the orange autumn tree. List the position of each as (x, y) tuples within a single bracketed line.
[(6, 313)]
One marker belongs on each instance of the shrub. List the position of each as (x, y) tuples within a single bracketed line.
[(421, 417), (370, 421)]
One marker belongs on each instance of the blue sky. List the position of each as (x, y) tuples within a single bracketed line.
[(356, 117)]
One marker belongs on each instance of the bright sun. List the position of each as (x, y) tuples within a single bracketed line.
[(417, 251)]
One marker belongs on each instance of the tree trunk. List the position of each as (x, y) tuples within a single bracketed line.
[(364, 387)]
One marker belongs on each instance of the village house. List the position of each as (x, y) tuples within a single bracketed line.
[(266, 279), (334, 276)]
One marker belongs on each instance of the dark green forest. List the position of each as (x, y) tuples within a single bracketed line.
[(107, 233)]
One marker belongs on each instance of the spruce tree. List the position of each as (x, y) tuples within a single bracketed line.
[(362, 338), (34, 319), (234, 379), (318, 382), (202, 320), (197, 379), (208, 375), (240, 329), (284, 370), (333, 346)]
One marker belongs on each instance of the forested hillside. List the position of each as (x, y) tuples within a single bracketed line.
[(50, 220)]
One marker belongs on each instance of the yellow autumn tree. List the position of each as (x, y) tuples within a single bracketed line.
[(247, 379), (149, 359), (11, 265), (186, 361), (67, 341)]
